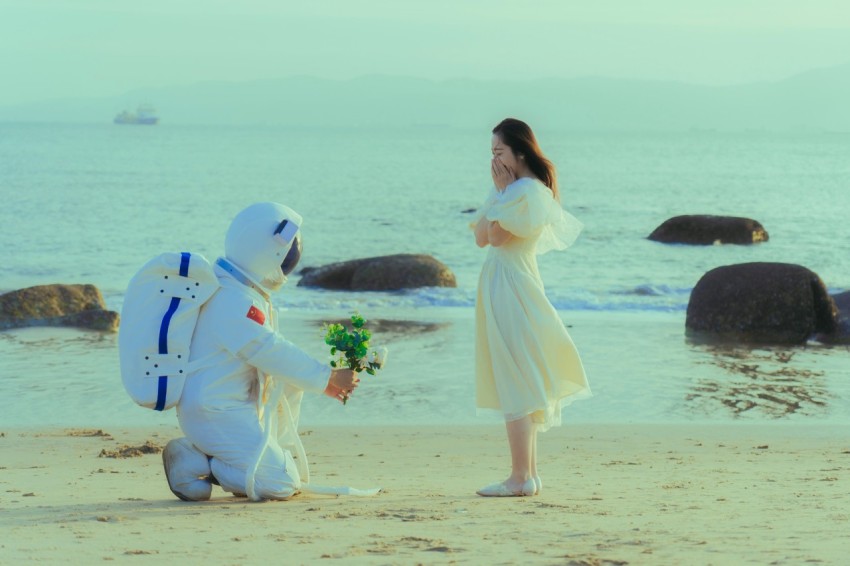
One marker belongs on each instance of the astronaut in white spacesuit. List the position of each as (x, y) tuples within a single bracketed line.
[(240, 410)]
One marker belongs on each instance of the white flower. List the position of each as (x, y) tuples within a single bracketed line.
[(379, 356)]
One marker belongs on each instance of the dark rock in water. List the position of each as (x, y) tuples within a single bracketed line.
[(841, 335), (57, 305), (468, 211), (705, 230), (763, 303), (384, 273), (842, 303)]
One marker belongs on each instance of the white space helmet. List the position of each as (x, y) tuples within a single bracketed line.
[(264, 242)]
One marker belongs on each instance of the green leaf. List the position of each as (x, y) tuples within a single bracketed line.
[(370, 371)]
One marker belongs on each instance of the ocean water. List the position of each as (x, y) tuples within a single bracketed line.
[(92, 203)]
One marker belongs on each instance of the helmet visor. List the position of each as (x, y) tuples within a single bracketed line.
[(293, 256)]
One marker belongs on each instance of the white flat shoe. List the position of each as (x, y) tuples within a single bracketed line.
[(538, 485), (187, 470), (501, 490)]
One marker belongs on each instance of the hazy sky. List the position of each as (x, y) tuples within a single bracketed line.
[(82, 48)]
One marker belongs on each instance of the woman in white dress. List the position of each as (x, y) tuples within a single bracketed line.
[(527, 366)]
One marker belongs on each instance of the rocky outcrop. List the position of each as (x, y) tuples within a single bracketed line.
[(705, 230), (764, 303), (57, 305), (383, 273)]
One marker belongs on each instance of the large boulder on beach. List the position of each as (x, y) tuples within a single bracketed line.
[(57, 305), (705, 230), (383, 273), (764, 303)]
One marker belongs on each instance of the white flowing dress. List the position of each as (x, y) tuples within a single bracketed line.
[(526, 362)]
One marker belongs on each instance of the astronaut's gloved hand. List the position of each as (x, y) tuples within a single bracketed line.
[(341, 384)]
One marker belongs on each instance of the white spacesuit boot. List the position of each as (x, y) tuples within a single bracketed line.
[(187, 470)]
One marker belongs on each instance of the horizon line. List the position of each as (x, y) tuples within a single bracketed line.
[(584, 77)]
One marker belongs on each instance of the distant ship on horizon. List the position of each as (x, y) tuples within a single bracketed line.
[(145, 115)]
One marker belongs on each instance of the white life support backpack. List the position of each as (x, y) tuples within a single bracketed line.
[(158, 319)]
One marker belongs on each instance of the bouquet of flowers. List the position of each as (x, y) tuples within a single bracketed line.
[(351, 349)]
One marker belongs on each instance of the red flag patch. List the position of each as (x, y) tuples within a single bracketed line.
[(256, 315)]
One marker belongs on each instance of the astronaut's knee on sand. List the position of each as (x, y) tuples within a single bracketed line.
[(276, 477), (273, 481)]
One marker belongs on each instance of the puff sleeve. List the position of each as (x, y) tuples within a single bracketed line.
[(527, 209), (482, 211)]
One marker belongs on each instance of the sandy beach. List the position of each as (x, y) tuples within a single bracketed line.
[(613, 494)]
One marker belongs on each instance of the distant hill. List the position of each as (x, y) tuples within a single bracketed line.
[(815, 100)]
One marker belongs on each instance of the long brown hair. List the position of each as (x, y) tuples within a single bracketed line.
[(518, 136)]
